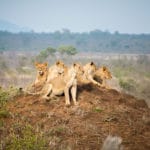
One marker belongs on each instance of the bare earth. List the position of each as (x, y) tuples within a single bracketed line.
[(84, 127)]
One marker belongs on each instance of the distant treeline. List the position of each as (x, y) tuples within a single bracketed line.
[(96, 40)]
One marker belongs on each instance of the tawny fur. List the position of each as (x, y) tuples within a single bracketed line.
[(88, 76), (96, 76), (65, 83), (45, 75), (55, 70), (40, 80), (103, 74)]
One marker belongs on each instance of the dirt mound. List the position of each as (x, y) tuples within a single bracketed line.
[(100, 113)]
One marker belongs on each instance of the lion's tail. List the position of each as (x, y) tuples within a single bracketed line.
[(29, 92)]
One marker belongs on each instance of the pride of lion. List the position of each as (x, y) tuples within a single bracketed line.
[(60, 79)]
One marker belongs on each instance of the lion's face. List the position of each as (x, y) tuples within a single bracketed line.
[(105, 73), (90, 68), (60, 67), (78, 68), (41, 68)]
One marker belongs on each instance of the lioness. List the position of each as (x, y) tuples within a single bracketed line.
[(41, 77), (102, 74), (44, 75), (65, 83), (89, 72), (56, 70)]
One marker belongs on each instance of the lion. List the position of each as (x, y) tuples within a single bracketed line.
[(44, 75), (41, 77), (101, 75), (97, 76), (55, 70), (89, 73), (65, 83)]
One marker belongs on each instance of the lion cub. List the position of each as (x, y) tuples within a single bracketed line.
[(65, 83)]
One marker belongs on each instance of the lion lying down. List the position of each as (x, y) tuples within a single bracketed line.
[(101, 75), (96, 76)]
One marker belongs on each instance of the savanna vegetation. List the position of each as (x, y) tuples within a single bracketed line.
[(131, 72), (18, 52), (95, 41)]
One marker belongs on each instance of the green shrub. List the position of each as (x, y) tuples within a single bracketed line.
[(4, 113), (1, 123), (26, 139), (127, 85), (4, 95), (42, 56), (13, 91), (147, 74)]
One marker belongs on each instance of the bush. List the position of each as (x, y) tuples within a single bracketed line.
[(4, 96), (26, 139), (42, 56), (4, 113), (126, 85), (68, 49)]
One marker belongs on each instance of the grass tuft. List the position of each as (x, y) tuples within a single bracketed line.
[(97, 109), (26, 139)]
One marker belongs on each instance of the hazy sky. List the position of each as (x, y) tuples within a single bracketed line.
[(126, 16)]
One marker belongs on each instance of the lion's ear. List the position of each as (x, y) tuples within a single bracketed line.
[(74, 64), (91, 63), (57, 62), (104, 68), (36, 64), (46, 64)]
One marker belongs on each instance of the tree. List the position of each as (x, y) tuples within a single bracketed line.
[(42, 55), (51, 50), (67, 49)]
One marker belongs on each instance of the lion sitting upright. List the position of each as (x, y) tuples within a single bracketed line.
[(55, 70), (41, 77), (65, 83), (44, 75)]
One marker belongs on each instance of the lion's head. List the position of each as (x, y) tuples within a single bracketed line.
[(90, 68), (78, 68), (104, 73), (60, 67), (41, 68)]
